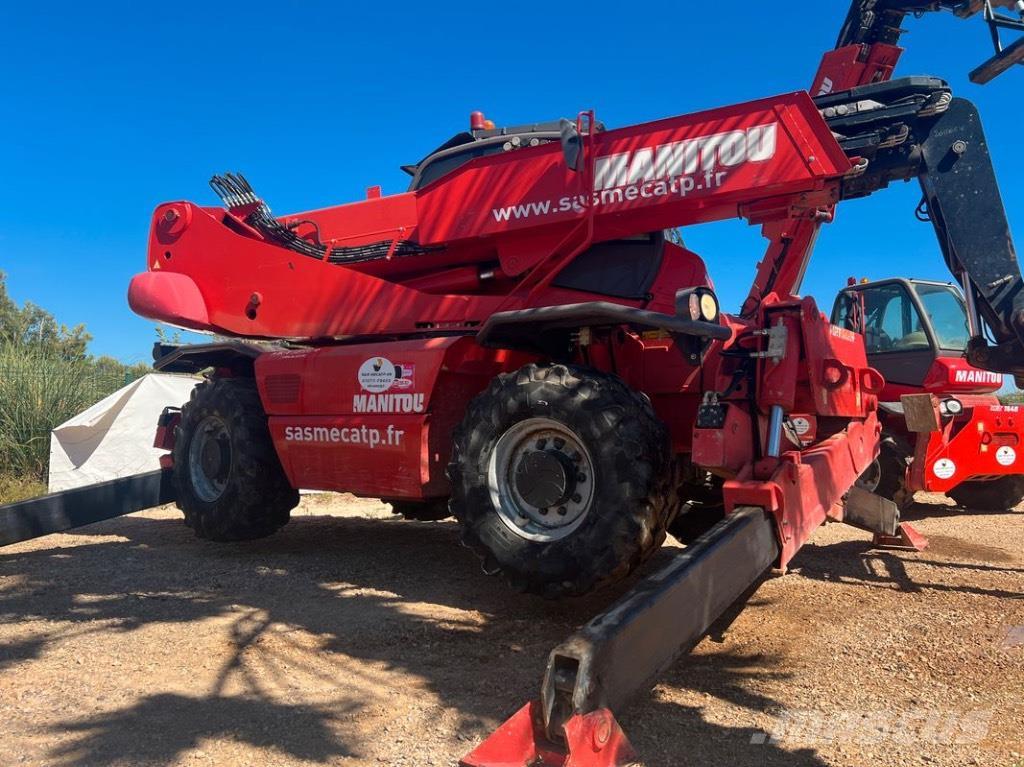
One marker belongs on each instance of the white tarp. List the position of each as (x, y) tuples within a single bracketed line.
[(114, 438)]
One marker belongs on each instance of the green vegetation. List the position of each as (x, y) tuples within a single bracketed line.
[(1012, 398), (46, 377), (13, 489)]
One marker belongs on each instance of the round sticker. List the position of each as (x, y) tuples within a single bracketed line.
[(377, 374), (944, 468), (801, 425), (1006, 455)]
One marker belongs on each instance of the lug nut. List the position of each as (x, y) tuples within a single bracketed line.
[(576, 498), (581, 477), (559, 443), (542, 443), (562, 511)]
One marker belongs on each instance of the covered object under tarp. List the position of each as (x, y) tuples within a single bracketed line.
[(114, 437)]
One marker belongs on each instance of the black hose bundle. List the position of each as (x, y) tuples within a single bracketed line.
[(237, 194)]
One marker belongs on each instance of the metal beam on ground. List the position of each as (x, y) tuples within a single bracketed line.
[(80, 506), (619, 653)]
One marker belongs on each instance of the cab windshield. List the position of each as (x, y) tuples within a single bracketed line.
[(893, 320), (947, 313)]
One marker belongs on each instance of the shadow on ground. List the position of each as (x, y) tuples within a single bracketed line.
[(349, 582), (862, 562)]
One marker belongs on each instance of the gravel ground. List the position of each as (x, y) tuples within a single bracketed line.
[(355, 638)]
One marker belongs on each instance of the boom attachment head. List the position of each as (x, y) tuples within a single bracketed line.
[(870, 22), (1003, 58)]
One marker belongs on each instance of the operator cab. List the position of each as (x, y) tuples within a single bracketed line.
[(915, 333)]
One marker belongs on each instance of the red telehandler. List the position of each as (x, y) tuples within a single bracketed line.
[(516, 341), (915, 333)]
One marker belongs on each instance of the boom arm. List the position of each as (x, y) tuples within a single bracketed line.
[(913, 127), (961, 197)]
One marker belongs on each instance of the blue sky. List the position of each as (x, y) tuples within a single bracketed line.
[(107, 109)]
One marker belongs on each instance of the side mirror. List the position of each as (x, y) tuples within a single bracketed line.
[(572, 144)]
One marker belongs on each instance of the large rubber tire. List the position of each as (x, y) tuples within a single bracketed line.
[(992, 495), (253, 496), (887, 476), (630, 503)]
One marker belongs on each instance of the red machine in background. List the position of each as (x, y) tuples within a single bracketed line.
[(944, 430), (516, 341)]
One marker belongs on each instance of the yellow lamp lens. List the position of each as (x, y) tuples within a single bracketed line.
[(708, 307)]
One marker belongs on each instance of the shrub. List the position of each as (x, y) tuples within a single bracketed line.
[(14, 489), (38, 391)]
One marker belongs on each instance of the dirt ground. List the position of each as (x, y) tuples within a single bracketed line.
[(355, 638)]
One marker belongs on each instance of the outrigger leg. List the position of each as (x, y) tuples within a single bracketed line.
[(619, 653), (55, 512)]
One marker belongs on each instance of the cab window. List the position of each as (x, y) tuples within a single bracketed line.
[(948, 316), (846, 311), (891, 320)]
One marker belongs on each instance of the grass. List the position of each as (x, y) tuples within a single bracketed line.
[(38, 392), (14, 489)]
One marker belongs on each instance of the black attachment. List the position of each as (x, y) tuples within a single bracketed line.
[(711, 415), (871, 512), (55, 512), (913, 127), (881, 21), (619, 268), (466, 146), (970, 222)]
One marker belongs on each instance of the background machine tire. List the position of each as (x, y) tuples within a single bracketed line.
[(886, 476), (561, 479), (228, 478), (991, 495), (701, 507)]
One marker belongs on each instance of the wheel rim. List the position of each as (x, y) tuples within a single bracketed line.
[(209, 459), (541, 479)]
